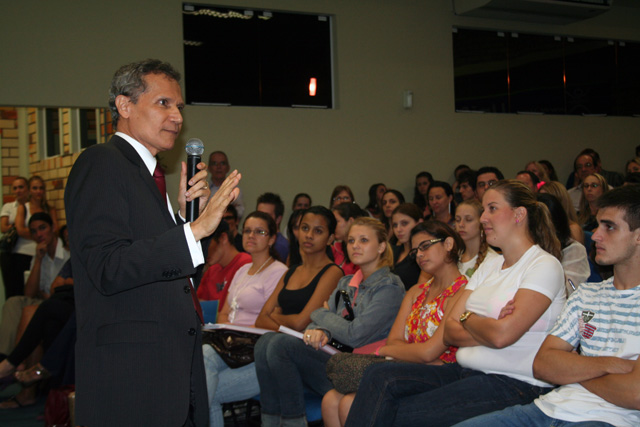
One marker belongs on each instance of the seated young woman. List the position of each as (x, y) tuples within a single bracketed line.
[(341, 194), (404, 218), (371, 298), (420, 192), (560, 192), (374, 207), (415, 335), (574, 255), (593, 186), (390, 200), (494, 367), (441, 202), (252, 284), (345, 214), (293, 226), (470, 230)]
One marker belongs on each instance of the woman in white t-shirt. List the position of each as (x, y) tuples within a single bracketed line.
[(16, 262), (495, 356), (250, 288), (468, 226)]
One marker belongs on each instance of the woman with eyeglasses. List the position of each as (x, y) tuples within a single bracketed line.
[(498, 324), (415, 335), (341, 194), (252, 284), (593, 186), (358, 313)]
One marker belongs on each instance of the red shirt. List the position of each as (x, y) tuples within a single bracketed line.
[(216, 280)]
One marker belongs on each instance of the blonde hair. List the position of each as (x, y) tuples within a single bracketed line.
[(560, 192), (386, 258), (484, 246), (585, 211), (542, 172)]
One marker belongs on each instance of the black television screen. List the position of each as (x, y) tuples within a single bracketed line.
[(252, 57)]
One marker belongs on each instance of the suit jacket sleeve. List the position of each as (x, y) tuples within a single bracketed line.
[(124, 235)]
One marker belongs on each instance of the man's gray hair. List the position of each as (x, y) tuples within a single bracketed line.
[(129, 81)]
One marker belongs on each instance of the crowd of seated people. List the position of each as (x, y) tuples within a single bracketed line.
[(524, 245)]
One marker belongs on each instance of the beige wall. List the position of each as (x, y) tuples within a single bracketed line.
[(63, 53)]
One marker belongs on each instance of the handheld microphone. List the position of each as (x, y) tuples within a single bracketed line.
[(194, 150)]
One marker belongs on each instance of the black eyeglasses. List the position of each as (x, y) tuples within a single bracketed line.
[(423, 246)]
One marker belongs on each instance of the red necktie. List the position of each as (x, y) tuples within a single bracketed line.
[(158, 177)]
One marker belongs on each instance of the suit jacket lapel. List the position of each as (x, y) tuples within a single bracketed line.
[(132, 155)]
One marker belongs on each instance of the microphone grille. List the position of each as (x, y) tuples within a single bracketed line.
[(194, 147)]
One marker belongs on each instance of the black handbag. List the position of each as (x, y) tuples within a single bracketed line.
[(349, 316), (9, 239), (234, 347)]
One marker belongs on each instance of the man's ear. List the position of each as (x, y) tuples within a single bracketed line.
[(123, 104)]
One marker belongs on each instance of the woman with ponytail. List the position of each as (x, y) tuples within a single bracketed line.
[(496, 342), (468, 226)]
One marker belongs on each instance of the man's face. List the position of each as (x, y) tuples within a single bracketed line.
[(585, 166), (270, 210), (615, 243), (526, 179), (218, 167), (483, 183), (156, 119), (41, 232), (232, 222)]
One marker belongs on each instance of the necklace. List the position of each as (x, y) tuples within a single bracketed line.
[(241, 285), (262, 266)]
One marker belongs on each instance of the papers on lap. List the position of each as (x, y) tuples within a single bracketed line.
[(327, 348)]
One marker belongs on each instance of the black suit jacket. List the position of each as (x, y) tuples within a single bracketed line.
[(138, 352)]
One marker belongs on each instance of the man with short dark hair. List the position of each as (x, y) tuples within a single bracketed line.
[(529, 179), (586, 163), (592, 351), (485, 178), (138, 349), (49, 258), (272, 205), (467, 185), (223, 260), (219, 169)]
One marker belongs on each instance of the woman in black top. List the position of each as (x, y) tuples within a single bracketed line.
[(307, 286)]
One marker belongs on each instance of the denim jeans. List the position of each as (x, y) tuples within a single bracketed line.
[(284, 365), (524, 415), (225, 384), (409, 394)]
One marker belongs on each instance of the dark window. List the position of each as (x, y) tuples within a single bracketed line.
[(88, 131), (508, 72), (254, 57), (52, 131)]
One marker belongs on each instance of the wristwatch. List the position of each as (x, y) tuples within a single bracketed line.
[(464, 316)]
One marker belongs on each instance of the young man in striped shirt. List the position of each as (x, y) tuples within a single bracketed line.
[(600, 382)]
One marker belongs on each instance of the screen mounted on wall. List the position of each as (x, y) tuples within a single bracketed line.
[(253, 57)]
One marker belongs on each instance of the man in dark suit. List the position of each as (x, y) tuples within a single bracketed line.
[(139, 351)]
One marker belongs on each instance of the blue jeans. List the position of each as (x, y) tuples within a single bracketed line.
[(225, 384), (524, 415), (409, 394), (285, 365)]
